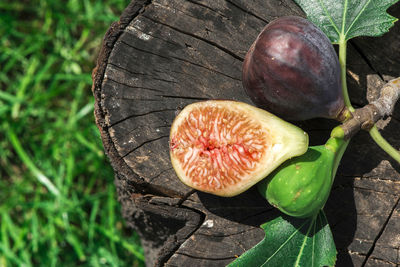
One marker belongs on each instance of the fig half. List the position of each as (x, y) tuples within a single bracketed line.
[(224, 147)]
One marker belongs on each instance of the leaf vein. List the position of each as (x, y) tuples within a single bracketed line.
[(304, 242), (284, 243), (329, 17), (344, 18), (357, 17), (313, 245)]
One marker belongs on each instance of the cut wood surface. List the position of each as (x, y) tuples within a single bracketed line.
[(165, 54)]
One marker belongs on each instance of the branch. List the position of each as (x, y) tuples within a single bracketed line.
[(366, 117)]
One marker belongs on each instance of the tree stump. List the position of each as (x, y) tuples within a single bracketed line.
[(165, 54)]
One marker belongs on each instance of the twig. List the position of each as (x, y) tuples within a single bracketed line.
[(366, 117)]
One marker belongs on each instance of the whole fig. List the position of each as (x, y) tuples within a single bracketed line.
[(301, 186), (292, 70)]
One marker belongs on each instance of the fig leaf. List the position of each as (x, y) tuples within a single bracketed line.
[(293, 242), (343, 20)]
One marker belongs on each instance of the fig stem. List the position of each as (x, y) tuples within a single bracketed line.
[(338, 145), (377, 109), (342, 61), (377, 137), (366, 117), (338, 155), (384, 105), (334, 144), (338, 132)]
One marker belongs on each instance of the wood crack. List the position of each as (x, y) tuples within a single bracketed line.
[(206, 257), (186, 196), (144, 143), (365, 58), (385, 261), (209, 8), (178, 72), (175, 247), (185, 97), (372, 191), (126, 70), (372, 178), (130, 132), (132, 29), (369, 253), (180, 59), (140, 73), (247, 11), (158, 175), (139, 115), (223, 49), (283, 3), (175, 9), (135, 87), (227, 235)]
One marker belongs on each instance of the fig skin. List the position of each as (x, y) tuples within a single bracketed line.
[(208, 133), (292, 70), (301, 186)]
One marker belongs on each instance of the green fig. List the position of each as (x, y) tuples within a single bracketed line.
[(301, 186)]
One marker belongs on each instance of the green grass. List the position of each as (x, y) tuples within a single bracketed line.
[(58, 205)]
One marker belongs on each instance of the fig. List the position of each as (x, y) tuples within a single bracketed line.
[(301, 186), (224, 147), (292, 70)]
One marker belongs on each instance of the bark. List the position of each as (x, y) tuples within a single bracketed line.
[(165, 54)]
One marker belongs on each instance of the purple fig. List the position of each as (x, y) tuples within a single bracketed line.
[(292, 70)]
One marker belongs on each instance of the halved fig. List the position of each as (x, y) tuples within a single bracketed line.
[(224, 147)]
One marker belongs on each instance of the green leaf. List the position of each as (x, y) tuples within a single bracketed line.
[(346, 19), (293, 242)]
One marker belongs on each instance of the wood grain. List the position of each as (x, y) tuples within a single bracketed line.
[(165, 54)]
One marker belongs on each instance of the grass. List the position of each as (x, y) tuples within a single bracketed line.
[(58, 205)]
